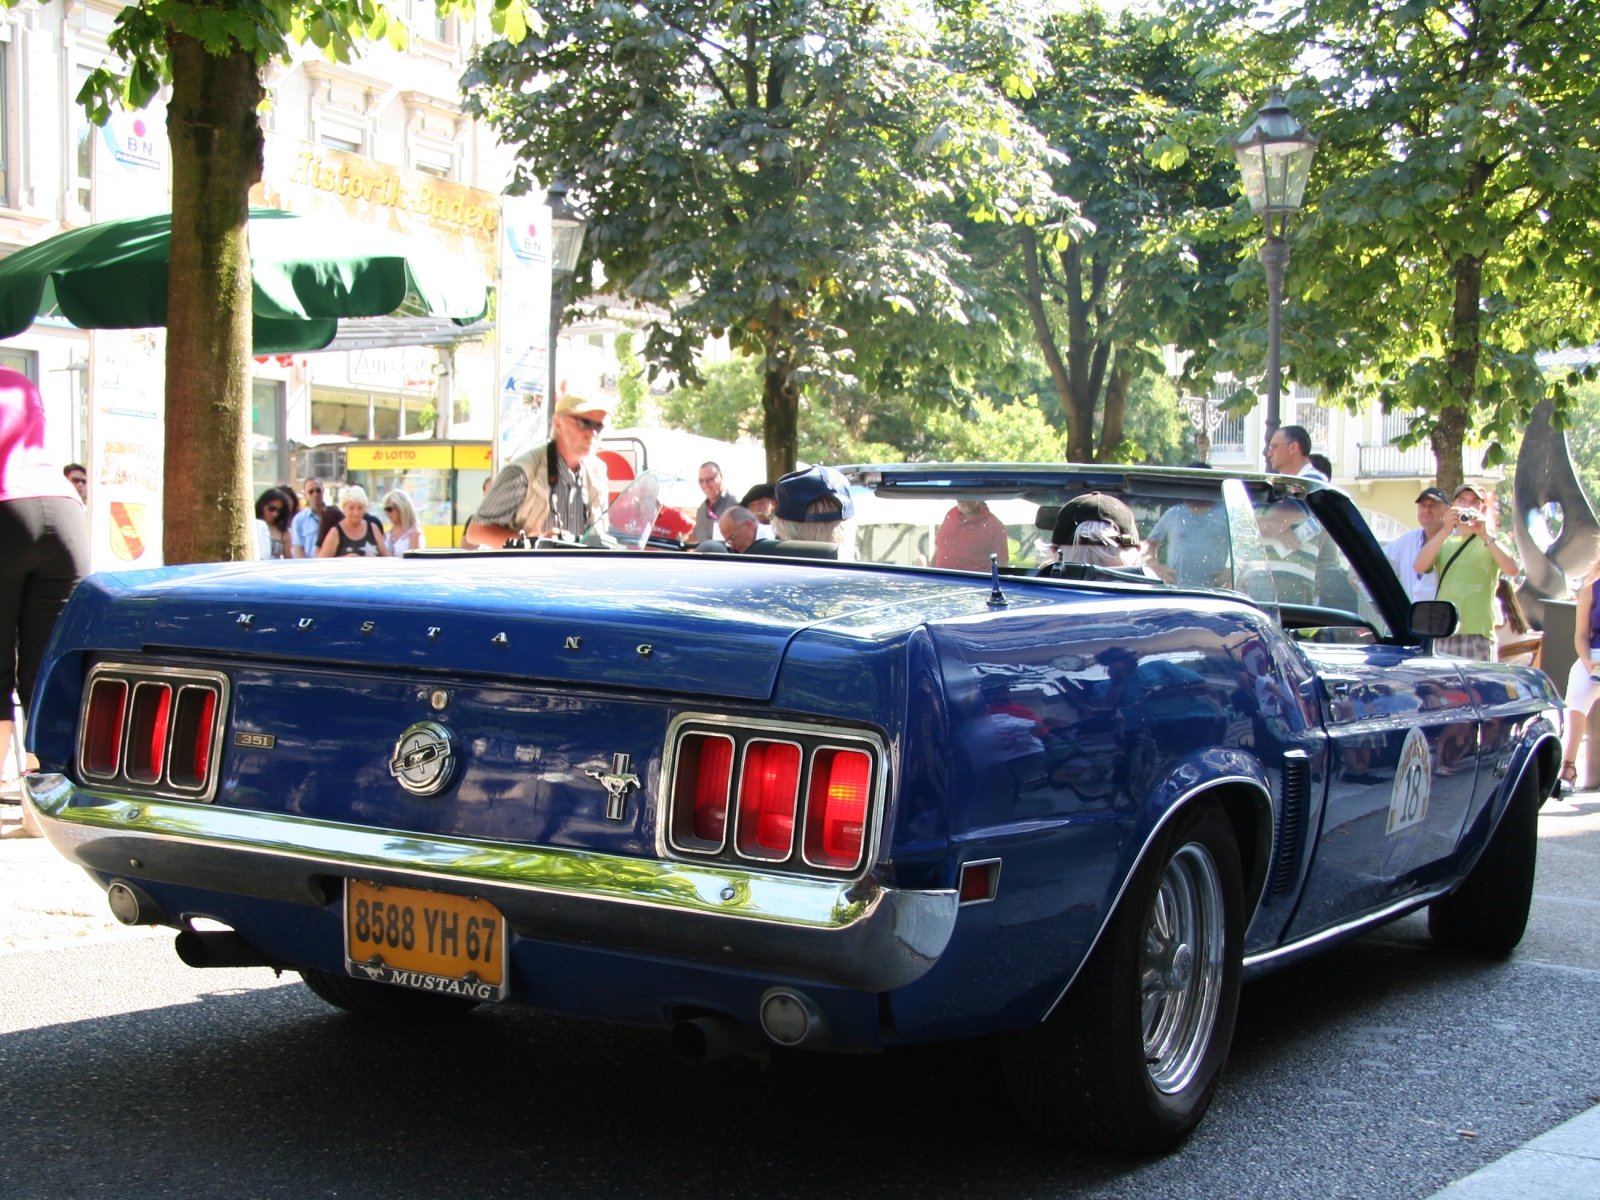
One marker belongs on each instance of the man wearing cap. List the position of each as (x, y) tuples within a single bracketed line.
[(761, 500), (1098, 529), (813, 506), (1467, 563), (1402, 553), (557, 489), (717, 502)]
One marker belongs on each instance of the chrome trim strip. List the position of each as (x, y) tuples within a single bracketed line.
[(133, 674), (853, 933), (820, 730), (1272, 809), (1256, 965)]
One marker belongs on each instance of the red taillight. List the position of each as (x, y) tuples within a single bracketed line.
[(192, 727), (700, 792), (767, 795), (147, 732), (102, 727), (836, 811)]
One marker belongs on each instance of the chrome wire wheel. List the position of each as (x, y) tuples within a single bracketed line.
[(1181, 967)]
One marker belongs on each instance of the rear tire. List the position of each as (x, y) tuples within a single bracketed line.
[(1488, 913), (1131, 1057), (385, 1001)]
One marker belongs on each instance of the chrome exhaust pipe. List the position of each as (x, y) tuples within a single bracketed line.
[(220, 948), (132, 905), (714, 1036)]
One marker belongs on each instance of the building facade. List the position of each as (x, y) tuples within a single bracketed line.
[(389, 126)]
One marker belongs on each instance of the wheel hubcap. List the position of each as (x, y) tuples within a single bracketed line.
[(1182, 967)]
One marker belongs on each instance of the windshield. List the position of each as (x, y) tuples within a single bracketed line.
[(1191, 530)]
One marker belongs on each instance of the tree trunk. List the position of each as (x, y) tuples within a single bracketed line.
[(1116, 406), (1080, 360), (780, 411), (1465, 323), (216, 156), (1033, 297), (1448, 436)]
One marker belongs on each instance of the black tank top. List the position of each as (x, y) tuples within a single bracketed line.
[(365, 544)]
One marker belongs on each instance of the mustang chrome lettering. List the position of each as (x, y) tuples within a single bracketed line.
[(425, 759), (500, 639), (246, 619), (645, 650), (368, 626), (617, 781), (573, 643)]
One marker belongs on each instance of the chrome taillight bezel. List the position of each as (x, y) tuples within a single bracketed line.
[(812, 738), (180, 680)]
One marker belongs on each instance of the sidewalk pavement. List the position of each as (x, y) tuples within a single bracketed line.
[(1563, 1164), (45, 900)]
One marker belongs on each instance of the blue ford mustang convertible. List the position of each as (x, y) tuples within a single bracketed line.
[(907, 794)]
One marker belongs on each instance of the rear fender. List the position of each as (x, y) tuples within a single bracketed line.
[(1241, 785)]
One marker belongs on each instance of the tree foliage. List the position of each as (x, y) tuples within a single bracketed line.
[(264, 29), (1133, 264), (1452, 218), (781, 173)]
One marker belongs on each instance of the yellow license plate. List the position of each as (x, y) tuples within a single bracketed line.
[(454, 945)]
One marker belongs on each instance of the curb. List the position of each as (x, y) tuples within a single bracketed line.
[(1563, 1164)]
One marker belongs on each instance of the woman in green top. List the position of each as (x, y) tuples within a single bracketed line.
[(1468, 564)]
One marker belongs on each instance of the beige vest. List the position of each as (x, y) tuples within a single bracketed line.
[(533, 515)]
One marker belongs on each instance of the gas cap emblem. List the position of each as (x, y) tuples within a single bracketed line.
[(425, 759)]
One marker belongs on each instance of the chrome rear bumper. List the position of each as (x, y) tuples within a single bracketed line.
[(860, 935)]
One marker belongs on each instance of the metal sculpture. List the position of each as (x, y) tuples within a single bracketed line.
[(1545, 474)]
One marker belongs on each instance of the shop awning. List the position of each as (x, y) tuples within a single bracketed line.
[(314, 276)]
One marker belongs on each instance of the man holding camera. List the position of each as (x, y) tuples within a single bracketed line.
[(1467, 563)]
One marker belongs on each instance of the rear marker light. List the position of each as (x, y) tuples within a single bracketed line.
[(193, 726), (767, 793), (700, 793), (102, 728), (836, 810), (147, 734), (980, 881)]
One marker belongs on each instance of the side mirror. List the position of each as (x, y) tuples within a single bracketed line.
[(1433, 619)]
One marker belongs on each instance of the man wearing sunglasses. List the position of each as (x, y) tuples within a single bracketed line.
[(307, 523), (717, 502), (557, 489)]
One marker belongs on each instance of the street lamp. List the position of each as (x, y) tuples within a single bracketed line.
[(566, 244), (1274, 154), (1205, 419)]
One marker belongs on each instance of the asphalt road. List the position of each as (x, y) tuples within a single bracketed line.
[(1384, 1069)]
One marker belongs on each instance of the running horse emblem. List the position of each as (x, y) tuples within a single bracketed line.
[(616, 781)]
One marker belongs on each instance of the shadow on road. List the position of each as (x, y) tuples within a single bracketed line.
[(270, 1092)]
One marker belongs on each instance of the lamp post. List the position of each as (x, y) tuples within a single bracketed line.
[(1274, 154), (566, 243), (1197, 408)]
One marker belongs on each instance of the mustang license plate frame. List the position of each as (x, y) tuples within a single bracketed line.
[(431, 941)]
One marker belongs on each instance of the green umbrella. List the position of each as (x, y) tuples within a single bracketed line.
[(310, 273)]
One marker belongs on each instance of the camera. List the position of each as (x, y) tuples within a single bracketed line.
[(1469, 516)]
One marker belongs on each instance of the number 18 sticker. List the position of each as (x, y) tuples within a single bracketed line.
[(1408, 802)]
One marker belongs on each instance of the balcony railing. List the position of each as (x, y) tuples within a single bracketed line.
[(1416, 462)]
